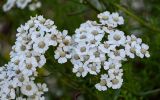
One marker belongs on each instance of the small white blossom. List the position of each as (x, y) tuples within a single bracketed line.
[(112, 64), (61, 55), (29, 88), (94, 68), (115, 73), (80, 69), (143, 51), (105, 18), (106, 47), (115, 83), (116, 19), (117, 38), (117, 54), (41, 45), (102, 86)]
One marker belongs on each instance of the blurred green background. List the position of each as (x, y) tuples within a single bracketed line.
[(141, 76)]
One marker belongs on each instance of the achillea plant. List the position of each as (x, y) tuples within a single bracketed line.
[(94, 47)]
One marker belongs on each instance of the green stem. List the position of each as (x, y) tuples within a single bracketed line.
[(150, 92)]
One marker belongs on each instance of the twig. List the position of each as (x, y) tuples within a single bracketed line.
[(150, 92)]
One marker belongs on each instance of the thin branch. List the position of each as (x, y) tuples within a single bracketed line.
[(150, 92)]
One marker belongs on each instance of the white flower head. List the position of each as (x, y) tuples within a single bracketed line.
[(117, 38), (133, 38), (94, 68), (115, 73), (143, 51), (112, 64), (61, 55), (80, 69), (116, 19), (29, 88), (41, 45), (117, 54), (132, 49), (115, 83), (102, 86), (106, 47), (52, 38), (104, 18)]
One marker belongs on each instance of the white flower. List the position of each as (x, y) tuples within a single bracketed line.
[(52, 38), (102, 86), (117, 38), (21, 48), (36, 34), (12, 94), (104, 18), (107, 30), (115, 83), (133, 38), (106, 47), (115, 73), (41, 45), (94, 43), (17, 60), (82, 35), (97, 33), (143, 51), (41, 60), (112, 20), (21, 79), (111, 64), (116, 19), (29, 66), (117, 54), (66, 40), (75, 58), (80, 69), (82, 49), (29, 89), (132, 49), (94, 68), (61, 55), (42, 87), (96, 55)]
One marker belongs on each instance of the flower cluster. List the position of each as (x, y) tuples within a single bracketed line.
[(95, 48), (33, 40), (98, 47), (33, 4)]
